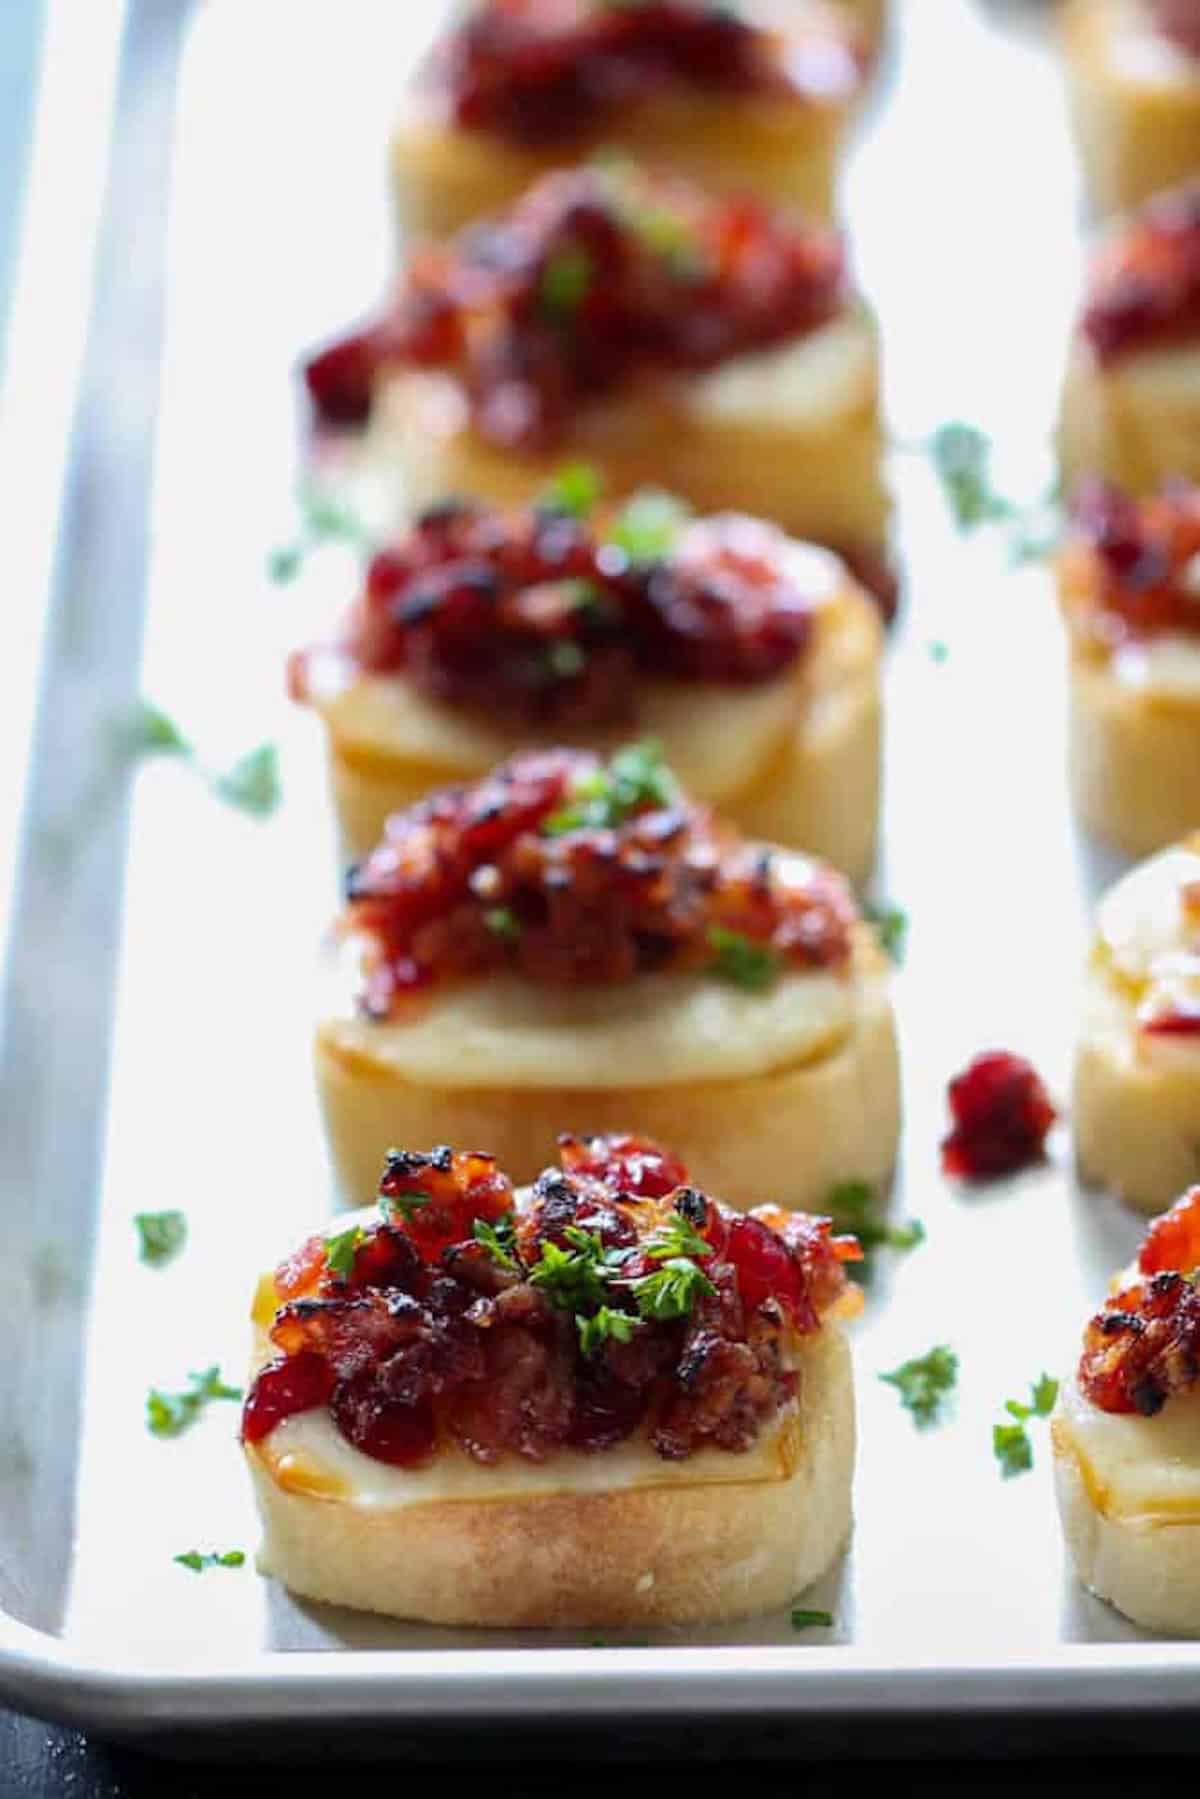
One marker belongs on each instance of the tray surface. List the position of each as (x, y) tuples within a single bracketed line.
[(954, 1593)]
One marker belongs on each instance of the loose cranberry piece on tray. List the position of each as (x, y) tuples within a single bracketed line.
[(1001, 1116)]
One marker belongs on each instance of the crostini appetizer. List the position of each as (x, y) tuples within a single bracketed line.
[(1126, 1434), (1137, 1066), (1133, 70), (571, 944), (662, 336), (608, 1400), (1129, 586), (519, 87), (1130, 408), (753, 660)]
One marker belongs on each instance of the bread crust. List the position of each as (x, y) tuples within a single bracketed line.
[(444, 177), (818, 790), (1133, 758), (638, 1555), (1136, 422), (1148, 1567), (787, 1136), (1137, 1125), (791, 435), (1136, 134)]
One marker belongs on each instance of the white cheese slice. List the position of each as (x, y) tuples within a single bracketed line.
[(800, 386), (1136, 1469), (1168, 665)]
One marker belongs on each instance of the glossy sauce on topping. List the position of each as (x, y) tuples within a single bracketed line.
[(1144, 282), (1001, 1116), (568, 870), (614, 1303), (543, 72), (540, 618), (1143, 579), (595, 275)]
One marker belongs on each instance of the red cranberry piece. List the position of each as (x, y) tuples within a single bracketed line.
[(1173, 1241), (766, 1269), (403, 1435), (1001, 1115), (285, 1386), (340, 379), (388, 1258), (626, 1163)]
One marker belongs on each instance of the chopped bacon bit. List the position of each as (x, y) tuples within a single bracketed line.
[(1144, 285), (1143, 574), (302, 1270), (546, 72), (437, 1335), (1143, 1346), (593, 275), (512, 873), (1001, 1114), (1173, 1240)]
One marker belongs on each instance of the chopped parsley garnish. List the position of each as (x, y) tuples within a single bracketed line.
[(891, 928), (802, 1620), (252, 784), (198, 1561), (634, 778), (499, 1239), (962, 456), (323, 519), (146, 731), (852, 1206), (647, 526), (501, 921), (672, 1290), (169, 1414), (740, 960), (341, 1249), (404, 1203), (938, 651), (574, 489), (565, 283), (601, 1326), (1011, 1444), (924, 1382), (161, 1235), (572, 1279), (676, 1237)]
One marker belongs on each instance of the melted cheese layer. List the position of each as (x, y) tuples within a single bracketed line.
[(801, 385), (1135, 1469), (659, 1030), (1148, 950), (1167, 665)]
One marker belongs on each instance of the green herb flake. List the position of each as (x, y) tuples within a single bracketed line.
[(853, 1207), (672, 1290), (938, 651), (503, 922), (803, 1620), (647, 527), (565, 283), (170, 1414), (341, 1249), (924, 1382), (740, 960), (323, 519), (634, 780), (890, 924), (574, 489), (499, 1239), (145, 730), (404, 1204), (961, 456), (252, 784), (1012, 1449), (603, 1325), (161, 1235), (676, 1237), (198, 1561), (572, 1279)]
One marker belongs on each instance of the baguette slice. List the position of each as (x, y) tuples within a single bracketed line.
[(782, 1094), (1135, 422), (1136, 1099), (619, 1537), (1134, 100), (790, 434), (795, 760)]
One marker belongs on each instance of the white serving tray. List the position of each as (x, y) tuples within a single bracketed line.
[(159, 979)]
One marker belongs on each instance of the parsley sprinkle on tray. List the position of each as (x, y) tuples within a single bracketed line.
[(853, 1208), (804, 1620), (1011, 1443), (170, 1414), (198, 1560), (161, 1235), (924, 1382)]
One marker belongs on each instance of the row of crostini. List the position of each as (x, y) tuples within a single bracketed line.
[(488, 1402)]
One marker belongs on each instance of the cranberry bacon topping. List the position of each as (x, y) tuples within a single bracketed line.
[(593, 275), (1144, 573), (1179, 21), (1144, 282), (1143, 1345), (602, 1310), (539, 617), (1001, 1116), (570, 870)]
